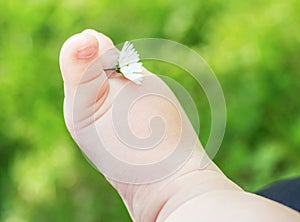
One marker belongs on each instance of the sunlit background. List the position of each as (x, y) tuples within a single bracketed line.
[(253, 47)]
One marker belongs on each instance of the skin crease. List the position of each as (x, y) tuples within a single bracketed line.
[(191, 193)]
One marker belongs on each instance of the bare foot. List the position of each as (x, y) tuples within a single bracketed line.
[(138, 136)]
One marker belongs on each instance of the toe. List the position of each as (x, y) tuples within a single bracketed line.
[(105, 43), (85, 82), (76, 54)]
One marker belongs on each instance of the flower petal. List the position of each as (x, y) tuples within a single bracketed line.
[(129, 65), (128, 55), (136, 78), (128, 74), (136, 67), (126, 71)]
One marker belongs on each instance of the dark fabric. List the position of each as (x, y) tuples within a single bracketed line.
[(286, 192)]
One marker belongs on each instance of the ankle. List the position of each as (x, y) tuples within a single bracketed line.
[(151, 202)]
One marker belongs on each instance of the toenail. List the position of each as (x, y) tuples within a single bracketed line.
[(86, 52)]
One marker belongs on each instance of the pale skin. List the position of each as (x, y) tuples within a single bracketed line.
[(191, 193)]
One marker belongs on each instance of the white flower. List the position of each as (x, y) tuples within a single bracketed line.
[(128, 63)]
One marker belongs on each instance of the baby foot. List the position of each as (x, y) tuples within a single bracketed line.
[(117, 111), (138, 136)]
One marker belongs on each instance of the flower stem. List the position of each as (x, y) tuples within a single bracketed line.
[(111, 68)]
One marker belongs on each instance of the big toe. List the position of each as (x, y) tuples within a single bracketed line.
[(82, 71), (76, 54)]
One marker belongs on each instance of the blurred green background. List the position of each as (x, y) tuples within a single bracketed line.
[(253, 47)]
